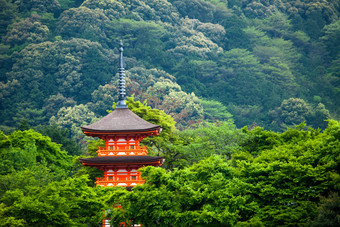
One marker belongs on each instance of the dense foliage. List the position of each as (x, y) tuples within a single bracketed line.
[(36, 188), (257, 61), (276, 183)]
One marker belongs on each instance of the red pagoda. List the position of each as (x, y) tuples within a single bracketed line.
[(122, 131)]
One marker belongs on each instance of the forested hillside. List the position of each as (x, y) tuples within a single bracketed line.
[(268, 63), (223, 78)]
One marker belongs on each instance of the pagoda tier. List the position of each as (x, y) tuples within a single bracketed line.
[(122, 156), (117, 145), (121, 170), (121, 121)]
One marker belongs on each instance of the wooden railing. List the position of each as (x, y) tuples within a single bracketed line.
[(128, 183), (103, 152)]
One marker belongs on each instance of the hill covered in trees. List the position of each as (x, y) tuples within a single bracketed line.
[(268, 63)]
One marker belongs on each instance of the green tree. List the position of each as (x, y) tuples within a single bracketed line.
[(27, 31), (61, 136), (8, 12), (73, 68), (39, 6), (25, 149), (66, 203), (243, 81), (186, 109), (73, 118), (215, 111), (294, 111), (199, 9), (55, 102), (319, 117), (101, 97), (67, 4), (331, 37), (30, 115), (194, 45), (83, 23), (111, 9), (257, 9), (207, 139), (328, 211), (144, 39), (215, 32)]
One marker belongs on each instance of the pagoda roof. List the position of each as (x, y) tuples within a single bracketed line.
[(106, 160), (120, 120)]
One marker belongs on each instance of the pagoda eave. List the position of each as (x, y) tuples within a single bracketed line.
[(158, 163), (122, 133), (121, 120), (122, 160)]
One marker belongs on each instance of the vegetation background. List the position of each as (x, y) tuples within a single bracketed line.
[(207, 68)]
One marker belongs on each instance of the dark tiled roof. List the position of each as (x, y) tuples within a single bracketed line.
[(120, 120), (121, 159)]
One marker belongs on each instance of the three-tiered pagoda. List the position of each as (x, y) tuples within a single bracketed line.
[(122, 131)]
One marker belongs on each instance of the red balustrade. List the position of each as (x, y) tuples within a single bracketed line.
[(102, 151), (128, 183)]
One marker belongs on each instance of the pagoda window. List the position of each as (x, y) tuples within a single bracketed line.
[(110, 178), (122, 172), (121, 141), (133, 177), (132, 147)]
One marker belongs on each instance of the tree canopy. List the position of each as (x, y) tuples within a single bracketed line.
[(277, 183), (249, 56)]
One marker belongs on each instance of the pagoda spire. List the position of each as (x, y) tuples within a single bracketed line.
[(121, 86), (122, 155)]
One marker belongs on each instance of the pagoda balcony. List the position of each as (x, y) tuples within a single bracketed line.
[(124, 183), (102, 151)]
